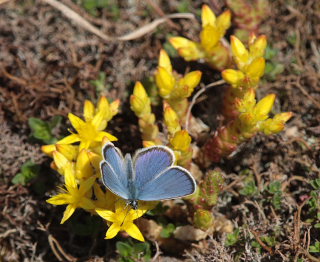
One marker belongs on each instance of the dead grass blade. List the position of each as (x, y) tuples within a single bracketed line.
[(80, 21), (76, 18), (150, 27)]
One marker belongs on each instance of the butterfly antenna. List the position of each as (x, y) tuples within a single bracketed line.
[(127, 206)]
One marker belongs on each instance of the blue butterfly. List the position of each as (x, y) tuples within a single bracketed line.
[(150, 176)]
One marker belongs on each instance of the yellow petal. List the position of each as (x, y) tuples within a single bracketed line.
[(48, 149), (224, 22), (256, 68), (165, 81), (103, 134), (106, 214), (264, 106), (133, 231), (210, 36), (67, 213), (284, 117), (207, 16), (248, 102), (86, 185), (179, 42), (76, 122), (171, 119), (258, 47), (148, 143), (69, 139), (277, 124), (239, 52), (60, 160), (69, 177), (192, 79), (88, 110), (86, 203), (113, 230), (95, 159), (98, 121), (84, 144), (164, 61), (120, 206), (138, 106), (104, 107), (136, 213), (139, 91), (69, 151), (60, 199), (190, 54), (83, 165), (233, 77), (99, 194), (114, 107), (189, 50), (181, 141), (139, 101)]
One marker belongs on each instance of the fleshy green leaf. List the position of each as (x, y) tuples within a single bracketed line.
[(29, 170)]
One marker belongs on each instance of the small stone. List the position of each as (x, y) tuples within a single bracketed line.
[(189, 233)]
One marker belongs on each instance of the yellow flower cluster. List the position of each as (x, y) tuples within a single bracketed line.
[(172, 87), (141, 106), (253, 118), (211, 47), (179, 140), (79, 165), (250, 63)]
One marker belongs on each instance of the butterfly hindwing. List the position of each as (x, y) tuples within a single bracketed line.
[(173, 182), (150, 162)]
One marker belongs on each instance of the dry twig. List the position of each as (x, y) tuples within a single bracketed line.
[(80, 21)]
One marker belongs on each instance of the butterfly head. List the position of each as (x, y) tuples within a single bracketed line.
[(133, 203)]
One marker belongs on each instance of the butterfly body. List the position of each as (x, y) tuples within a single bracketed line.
[(149, 176)]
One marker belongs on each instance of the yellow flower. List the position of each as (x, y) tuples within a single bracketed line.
[(186, 48), (139, 100), (104, 200), (171, 85), (48, 149), (181, 141), (69, 151), (263, 107), (122, 219), (74, 196), (83, 165), (247, 103), (60, 162), (276, 124), (233, 77), (250, 63), (171, 119), (213, 29), (90, 131), (210, 47)]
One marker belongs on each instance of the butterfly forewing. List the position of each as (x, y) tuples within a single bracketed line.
[(174, 182), (112, 182), (150, 162), (114, 158)]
